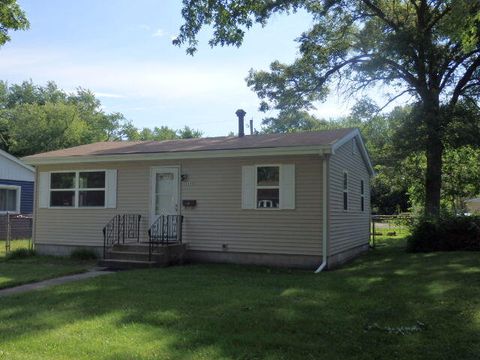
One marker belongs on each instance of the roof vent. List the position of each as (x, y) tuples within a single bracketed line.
[(241, 118)]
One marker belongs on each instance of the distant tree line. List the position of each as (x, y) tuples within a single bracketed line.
[(399, 161), (35, 118)]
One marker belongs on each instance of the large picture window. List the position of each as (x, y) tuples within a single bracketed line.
[(9, 199), (268, 187), (77, 189)]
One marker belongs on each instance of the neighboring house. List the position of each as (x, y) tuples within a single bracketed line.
[(473, 205), (16, 185), (300, 199)]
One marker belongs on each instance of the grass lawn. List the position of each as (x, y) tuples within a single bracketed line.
[(14, 245), (20, 271), (386, 305)]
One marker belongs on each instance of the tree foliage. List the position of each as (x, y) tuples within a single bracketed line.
[(427, 49), (12, 17), (159, 133)]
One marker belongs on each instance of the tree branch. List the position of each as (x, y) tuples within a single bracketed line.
[(459, 61), (380, 14), (409, 77), (464, 81), (393, 99), (339, 66), (439, 17)]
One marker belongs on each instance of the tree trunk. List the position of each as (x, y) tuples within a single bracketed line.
[(434, 152), (433, 179)]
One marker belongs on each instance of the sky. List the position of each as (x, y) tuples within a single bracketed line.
[(122, 50)]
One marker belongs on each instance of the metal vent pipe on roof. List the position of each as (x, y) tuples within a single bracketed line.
[(241, 119)]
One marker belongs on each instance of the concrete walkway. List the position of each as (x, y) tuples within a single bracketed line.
[(52, 282)]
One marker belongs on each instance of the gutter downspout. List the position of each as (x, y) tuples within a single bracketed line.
[(323, 265)]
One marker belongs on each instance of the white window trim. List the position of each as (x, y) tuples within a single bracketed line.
[(19, 198), (76, 189), (268, 187), (362, 195), (345, 172)]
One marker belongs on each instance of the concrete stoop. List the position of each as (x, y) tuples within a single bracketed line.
[(135, 256)]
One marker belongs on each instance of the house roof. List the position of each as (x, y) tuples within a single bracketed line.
[(200, 144), (250, 145), (16, 160)]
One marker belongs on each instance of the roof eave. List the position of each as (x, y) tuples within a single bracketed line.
[(297, 150)]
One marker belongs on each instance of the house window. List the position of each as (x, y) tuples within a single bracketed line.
[(9, 199), (268, 187), (362, 195), (345, 191), (91, 189), (354, 146), (62, 189), (77, 189)]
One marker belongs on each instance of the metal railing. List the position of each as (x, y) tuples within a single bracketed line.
[(167, 229), (120, 229)]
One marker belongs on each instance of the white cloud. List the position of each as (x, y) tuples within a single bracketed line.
[(148, 87), (108, 95), (128, 78), (158, 33)]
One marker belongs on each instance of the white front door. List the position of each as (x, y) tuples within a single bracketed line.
[(164, 185)]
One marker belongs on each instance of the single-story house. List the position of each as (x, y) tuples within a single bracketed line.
[(473, 205), (298, 199), (16, 197), (16, 185)]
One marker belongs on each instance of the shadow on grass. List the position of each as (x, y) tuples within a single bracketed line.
[(234, 312)]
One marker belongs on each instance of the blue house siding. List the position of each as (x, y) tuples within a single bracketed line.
[(26, 200)]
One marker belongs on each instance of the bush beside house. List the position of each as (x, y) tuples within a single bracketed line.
[(448, 233)]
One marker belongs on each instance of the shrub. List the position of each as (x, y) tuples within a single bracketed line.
[(447, 233), (83, 254), (20, 254)]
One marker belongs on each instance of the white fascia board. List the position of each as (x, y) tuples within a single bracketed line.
[(355, 133), (207, 154)]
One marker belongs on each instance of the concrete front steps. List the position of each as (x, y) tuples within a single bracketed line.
[(135, 256)]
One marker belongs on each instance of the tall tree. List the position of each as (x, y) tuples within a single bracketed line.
[(429, 49), (12, 17)]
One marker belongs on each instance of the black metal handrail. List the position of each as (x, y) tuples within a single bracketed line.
[(120, 228), (167, 229)]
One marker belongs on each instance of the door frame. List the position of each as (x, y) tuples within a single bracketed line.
[(151, 198)]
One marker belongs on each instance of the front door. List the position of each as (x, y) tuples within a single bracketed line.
[(164, 192)]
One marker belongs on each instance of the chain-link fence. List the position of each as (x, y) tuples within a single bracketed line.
[(389, 226), (15, 231)]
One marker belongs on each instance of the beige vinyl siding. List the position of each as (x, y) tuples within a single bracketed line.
[(217, 219), (351, 228)]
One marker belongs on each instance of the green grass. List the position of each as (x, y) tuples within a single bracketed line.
[(391, 229), (386, 305), (35, 268), (14, 245)]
